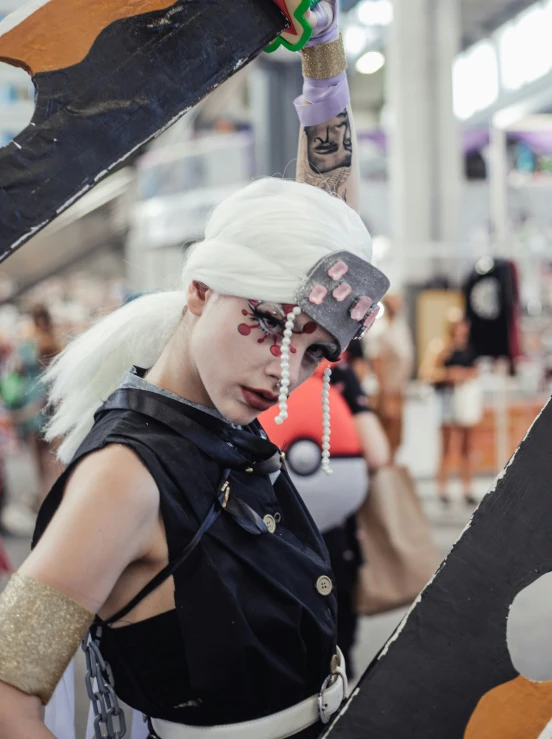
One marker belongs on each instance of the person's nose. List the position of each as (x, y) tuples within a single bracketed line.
[(277, 369)]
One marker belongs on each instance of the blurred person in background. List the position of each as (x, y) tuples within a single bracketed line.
[(359, 446), (391, 353), (30, 358), (450, 366)]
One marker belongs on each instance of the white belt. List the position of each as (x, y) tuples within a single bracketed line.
[(279, 725)]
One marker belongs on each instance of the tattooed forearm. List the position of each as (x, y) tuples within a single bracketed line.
[(326, 157)]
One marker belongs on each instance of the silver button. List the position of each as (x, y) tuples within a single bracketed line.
[(270, 523), (324, 585)]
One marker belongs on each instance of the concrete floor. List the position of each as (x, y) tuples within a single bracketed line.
[(447, 525)]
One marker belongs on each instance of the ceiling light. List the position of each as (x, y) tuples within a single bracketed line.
[(354, 39), (370, 62), (375, 12)]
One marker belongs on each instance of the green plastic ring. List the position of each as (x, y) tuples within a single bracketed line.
[(299, 14)]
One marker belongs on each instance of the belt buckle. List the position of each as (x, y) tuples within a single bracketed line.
[(337, 672), (324, 717)]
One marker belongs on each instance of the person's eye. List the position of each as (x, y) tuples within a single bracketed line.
[(268, 322), (317, 353)]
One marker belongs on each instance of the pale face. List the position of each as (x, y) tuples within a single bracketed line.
[(236, 347)]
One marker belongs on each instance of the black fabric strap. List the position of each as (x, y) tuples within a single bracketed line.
[(260, 456), (167, 571), (243, 515)]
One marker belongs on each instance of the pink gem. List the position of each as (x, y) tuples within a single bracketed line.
[(369, 322), (342, 292), (361, 308), (318, 294), (338, 270)]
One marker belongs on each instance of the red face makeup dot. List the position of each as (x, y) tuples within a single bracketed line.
[(288, 308), (244, 329), (276, 350), (309, 328)]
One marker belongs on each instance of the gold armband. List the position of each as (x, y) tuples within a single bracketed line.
[(325, 60), (40, 631)]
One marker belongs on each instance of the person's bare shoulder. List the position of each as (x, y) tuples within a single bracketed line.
[(106, 520), (117, 477)]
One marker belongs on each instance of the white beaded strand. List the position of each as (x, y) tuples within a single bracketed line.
[(284, 382), (326, 423)]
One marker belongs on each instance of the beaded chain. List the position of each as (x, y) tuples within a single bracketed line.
[(284, 391)]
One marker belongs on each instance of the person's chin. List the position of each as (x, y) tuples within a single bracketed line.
[(238, 413)]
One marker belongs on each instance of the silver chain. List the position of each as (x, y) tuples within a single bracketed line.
[(109, 719)]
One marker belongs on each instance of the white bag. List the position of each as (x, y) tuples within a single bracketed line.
[(467, 402)]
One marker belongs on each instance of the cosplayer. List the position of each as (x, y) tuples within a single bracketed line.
[(156, 539)]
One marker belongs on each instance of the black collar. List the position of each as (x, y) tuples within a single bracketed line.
[(239, 449)]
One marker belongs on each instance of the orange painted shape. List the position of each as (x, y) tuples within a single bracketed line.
[(305, 420), (520, 709), (61, 33)]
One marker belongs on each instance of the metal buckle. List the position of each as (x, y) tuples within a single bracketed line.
[(337, 671), (324, 717)]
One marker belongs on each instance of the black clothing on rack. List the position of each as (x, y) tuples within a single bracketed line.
[(251, 634), (491, 301)]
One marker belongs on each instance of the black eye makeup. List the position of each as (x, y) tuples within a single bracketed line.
[(318, 352), (271, 320)]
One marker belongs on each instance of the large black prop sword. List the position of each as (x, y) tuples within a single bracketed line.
[(109, 76), (448, 665)]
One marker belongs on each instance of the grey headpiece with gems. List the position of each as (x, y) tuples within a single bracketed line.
[(341, 293)]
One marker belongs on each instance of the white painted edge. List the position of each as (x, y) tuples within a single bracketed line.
[(28, 235), (546, 733), (344, 711), (73, 199), (18, 16)]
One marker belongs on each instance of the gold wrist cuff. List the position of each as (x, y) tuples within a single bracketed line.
[(325, 60), (40, 631)]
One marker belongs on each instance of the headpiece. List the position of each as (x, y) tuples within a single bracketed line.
[(342, 294)]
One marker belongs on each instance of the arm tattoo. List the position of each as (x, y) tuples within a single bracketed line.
[(329, 155)]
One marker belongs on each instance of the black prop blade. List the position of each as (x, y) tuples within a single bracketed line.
[(139, 76), (451, 650)]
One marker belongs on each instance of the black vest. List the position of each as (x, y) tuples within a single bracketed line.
[(257, 634)]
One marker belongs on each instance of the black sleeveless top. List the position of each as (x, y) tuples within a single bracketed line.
[(252, 633), (462, 358)]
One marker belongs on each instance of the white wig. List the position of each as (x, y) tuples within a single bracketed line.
[(259, 243)]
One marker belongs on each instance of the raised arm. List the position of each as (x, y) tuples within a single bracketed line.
[(328, 150)]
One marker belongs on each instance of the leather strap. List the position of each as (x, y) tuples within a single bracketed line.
[(259, 455), (242, 514)]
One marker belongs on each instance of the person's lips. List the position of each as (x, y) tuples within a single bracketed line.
[(260, 400)]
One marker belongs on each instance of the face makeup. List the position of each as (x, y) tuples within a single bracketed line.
[(236, 348)]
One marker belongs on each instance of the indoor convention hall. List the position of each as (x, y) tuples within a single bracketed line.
[(275, 369)]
